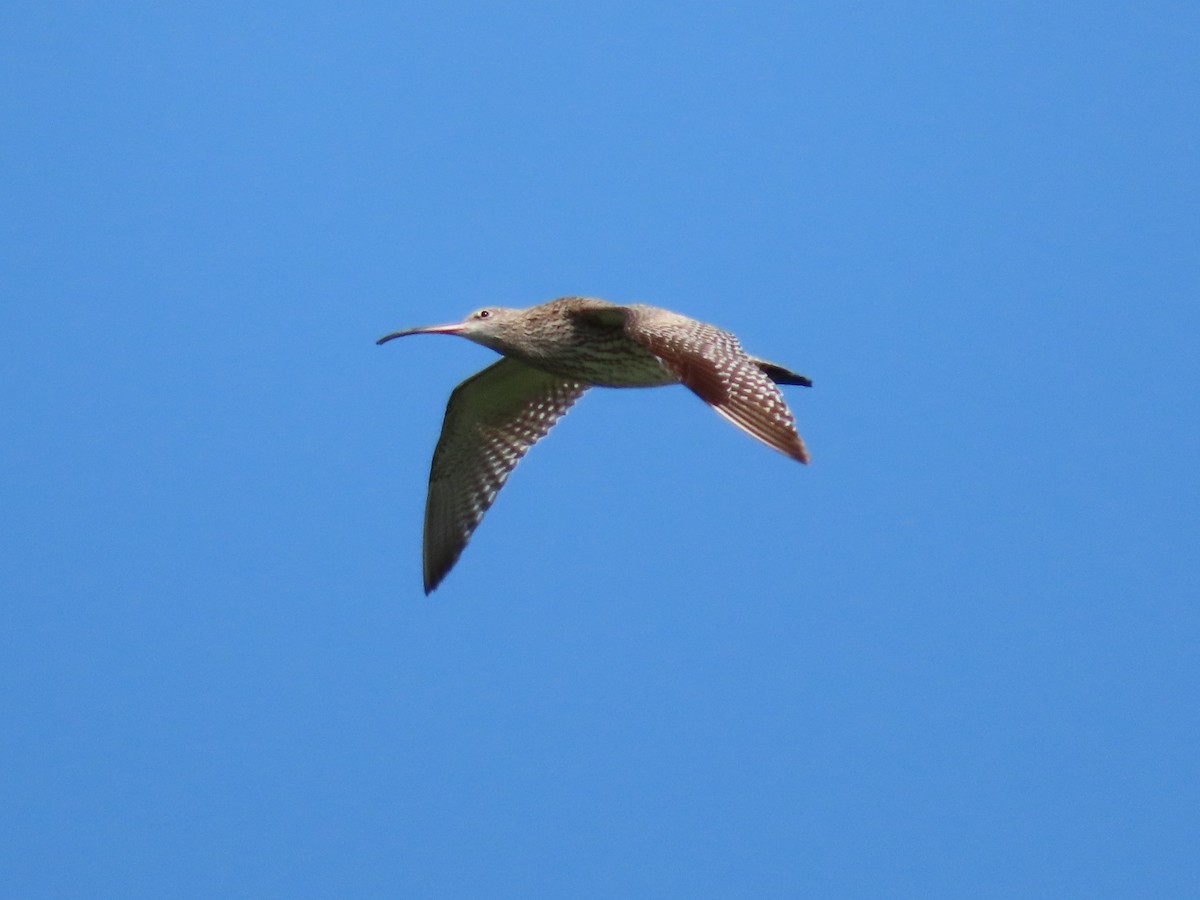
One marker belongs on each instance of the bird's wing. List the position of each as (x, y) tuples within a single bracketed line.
[(713, 364), (491, 420)]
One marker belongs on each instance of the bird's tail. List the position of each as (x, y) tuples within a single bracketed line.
[(780, 375)]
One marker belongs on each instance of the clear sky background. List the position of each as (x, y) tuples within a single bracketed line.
[(955, 656)]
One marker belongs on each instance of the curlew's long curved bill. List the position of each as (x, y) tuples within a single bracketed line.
[(453, 328)]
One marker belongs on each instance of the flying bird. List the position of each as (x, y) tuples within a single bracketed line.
[(552, 354)]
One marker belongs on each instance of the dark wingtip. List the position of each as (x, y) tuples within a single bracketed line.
[(434, 577)]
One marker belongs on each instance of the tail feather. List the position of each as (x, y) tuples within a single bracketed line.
[(780, 375)]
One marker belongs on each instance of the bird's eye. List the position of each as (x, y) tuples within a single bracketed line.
[(483, 313)]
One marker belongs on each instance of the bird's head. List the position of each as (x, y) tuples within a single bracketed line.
[(489, 326)]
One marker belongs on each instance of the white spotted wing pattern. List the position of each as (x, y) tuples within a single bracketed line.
[(711, 362), (492, 419)]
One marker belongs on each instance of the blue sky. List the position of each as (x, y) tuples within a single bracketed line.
[(955, 656)]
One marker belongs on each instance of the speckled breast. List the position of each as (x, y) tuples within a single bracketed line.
[(603, 358)]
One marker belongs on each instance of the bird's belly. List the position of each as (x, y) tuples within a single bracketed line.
[(610, 369)]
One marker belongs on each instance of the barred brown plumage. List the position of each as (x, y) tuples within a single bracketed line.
[(553, 353)]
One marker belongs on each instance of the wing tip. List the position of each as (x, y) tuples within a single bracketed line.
[(435, 572), (792, 446), (432, 581)]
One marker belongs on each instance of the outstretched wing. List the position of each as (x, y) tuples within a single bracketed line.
[(713, 364), (492, 419)]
